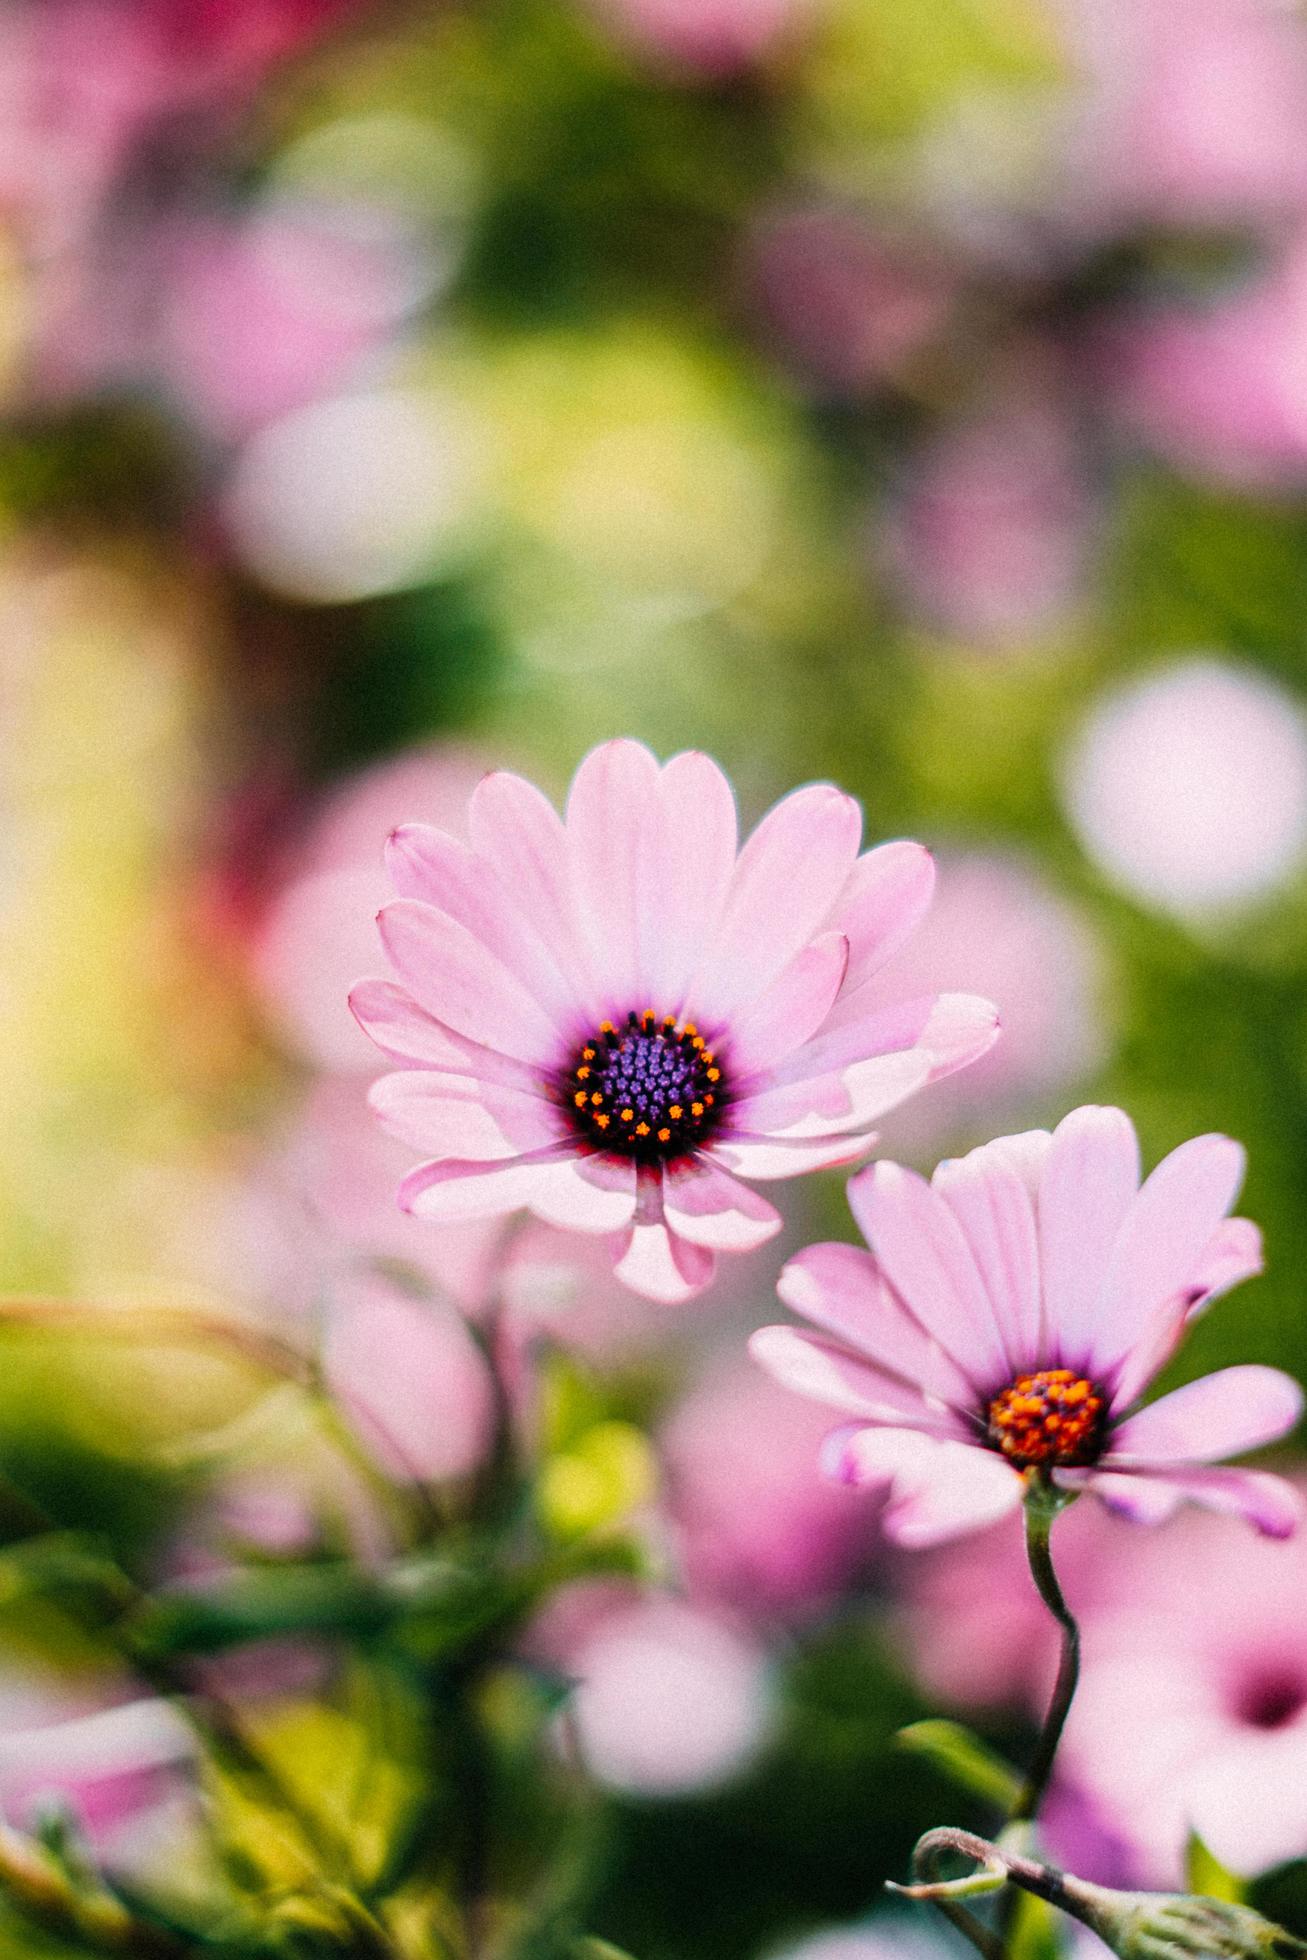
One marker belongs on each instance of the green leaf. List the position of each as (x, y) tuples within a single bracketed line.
[(964, 1759)]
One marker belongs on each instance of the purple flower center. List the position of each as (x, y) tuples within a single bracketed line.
[(1272, 1700), (1051, 1417), (650, 1090)]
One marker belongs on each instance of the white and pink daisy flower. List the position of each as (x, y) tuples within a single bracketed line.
[(612, 1018), (1010, 1315)]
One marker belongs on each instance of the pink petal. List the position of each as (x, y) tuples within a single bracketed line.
[(707, 1206), (1090, 1180), (786, 880), (943, 1032), (613, 821), (402, 1029), (992, 1203), (1158, 1253), (570, 1194), (816, 1106), (656, 1263), (1268, 1503), (515, 828), (841, 1289), (790, 1010), (1247, 1798), (450, 1115), (412, 1379), (462, 984), (885, 897), (1220, 1415), (450, 1189), (696, 861), (1232, 1254), (1143, 1500), (823, 1372), (922, 1252), (938, 1490), (773, 1157), (427, 864)]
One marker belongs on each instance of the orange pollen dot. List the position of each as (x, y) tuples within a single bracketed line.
[(583, 1075), (676, 1112), (603, 1121), (606, 1027), (596, 1099), (587, 1054), (664, 1136), (628, 1115), (714, 1075), (642, 1129), (580, 1099), (1051, 1417), (696, 1109)]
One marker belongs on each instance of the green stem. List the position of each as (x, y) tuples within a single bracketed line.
[(1042, 1506)]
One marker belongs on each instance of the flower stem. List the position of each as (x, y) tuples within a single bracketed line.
[(1042, 1506)]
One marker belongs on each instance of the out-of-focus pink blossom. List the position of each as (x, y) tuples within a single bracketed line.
[(112, 1759), (988, 537), (1011, 1315), (709, 38), (849, 308), (1221, 388), (1192, 112), (887, 1936), (754, 1526), (318, 931), (411, 1378), (263, 318), (997, 922), (1192, 1710), (1188, 786), (614, 1020), (670, 1698)]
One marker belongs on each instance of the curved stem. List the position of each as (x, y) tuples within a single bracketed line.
[(1041, 1508)]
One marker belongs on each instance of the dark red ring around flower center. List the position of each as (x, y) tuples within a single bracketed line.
[(1051, 1417), (649, 1090)]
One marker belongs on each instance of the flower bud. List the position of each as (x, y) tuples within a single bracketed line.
[(1178, 1926)]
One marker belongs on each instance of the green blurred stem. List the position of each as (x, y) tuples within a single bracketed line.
[(89, 1914), (1042, 1506)]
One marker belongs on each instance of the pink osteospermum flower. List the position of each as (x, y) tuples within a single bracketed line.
[(1009, 1317), (611, 1019)]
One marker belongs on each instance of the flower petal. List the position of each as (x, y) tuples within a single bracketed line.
[(943, 1032), (661, 1266), (1233, 1253), (696, 861), (992, 1203), (459, 981), (1159, 1250), (1266, 1502), (613, 817), (450, 1115), (786, 880), (517, 829), (1090, 1180), (885, 897), (790, 1010), (451, 1189), (765, 1157), (573, 1196), (824, 1372), (924, 1255), (938, 1490), (1220, 1415), (428, 864), (820, 1104), (707, 1206), (390, 1016), (841, 1289)]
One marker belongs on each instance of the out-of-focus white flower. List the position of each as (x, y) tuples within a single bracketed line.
[(670, 1699), (351, 497), (1188, 787)]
